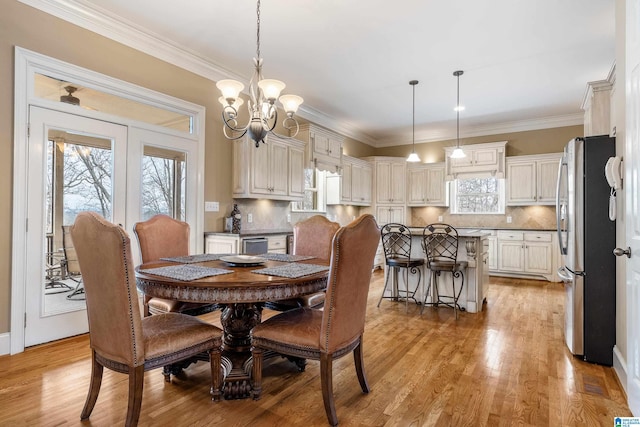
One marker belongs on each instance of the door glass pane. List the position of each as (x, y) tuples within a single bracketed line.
[(163, 183), (79, 178)]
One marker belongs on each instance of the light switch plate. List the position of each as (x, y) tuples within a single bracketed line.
[(211, 206), (249, 218), (288, 217), (509, 220), (439, 218)]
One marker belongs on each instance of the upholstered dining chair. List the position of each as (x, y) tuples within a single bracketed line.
[(311, 237), (164, 237), (440, 244), (397, 244), (331, 333), (120, 339)]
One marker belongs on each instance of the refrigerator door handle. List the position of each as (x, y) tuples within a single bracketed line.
[(563, 250)]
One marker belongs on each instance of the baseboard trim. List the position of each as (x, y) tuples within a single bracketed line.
[(5, 343), (620, 369)]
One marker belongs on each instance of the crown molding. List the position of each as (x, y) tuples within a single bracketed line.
[(492, 129)]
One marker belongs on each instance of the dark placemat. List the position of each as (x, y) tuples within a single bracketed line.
[(185, 272), (192, 259), (293, 270), (285, 257)]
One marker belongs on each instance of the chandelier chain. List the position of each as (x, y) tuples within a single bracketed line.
[(258, 31)]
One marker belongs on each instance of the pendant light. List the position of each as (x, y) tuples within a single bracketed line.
[(413, 157), (458, 153)]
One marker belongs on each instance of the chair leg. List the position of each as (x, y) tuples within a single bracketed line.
[(216, 376), (136, 383), (427, 292), (256, 372), (94, 387), (326, 378), (386, 283), (358, 358)]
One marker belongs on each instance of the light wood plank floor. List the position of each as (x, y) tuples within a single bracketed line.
[(505, 366)]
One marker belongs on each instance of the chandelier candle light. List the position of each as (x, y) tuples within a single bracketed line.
[(458, 153), (263, 111), (413, 157)]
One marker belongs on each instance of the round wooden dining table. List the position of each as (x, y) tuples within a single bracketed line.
[(241, 294)]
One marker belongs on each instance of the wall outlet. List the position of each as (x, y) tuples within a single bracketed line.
[(288, 217), (249, 218), (509, 220), (211, 206), (439, 218)]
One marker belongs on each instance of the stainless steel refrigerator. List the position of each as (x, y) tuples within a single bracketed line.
[(587, 238)]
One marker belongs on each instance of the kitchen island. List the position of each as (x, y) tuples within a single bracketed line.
[(473, 247)]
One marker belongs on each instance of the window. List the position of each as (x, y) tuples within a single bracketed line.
[(314, 192), (477, 196)]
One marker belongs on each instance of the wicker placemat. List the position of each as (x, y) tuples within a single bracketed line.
[(292, 271), (186, 272), (285, 257), (192, 259)]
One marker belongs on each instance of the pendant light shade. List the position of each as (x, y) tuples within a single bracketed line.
[(413, 157), (458, 153)]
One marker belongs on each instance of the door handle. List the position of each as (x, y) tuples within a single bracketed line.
[(620, 252)]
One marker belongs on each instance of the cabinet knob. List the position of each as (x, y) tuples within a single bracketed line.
[(620, 252)]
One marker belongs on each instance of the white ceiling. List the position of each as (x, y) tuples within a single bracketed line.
[(526, 62)]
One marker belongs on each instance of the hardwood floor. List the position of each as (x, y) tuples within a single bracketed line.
[(505, 366)]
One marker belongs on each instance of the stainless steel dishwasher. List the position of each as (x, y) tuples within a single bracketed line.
[(255, 245)]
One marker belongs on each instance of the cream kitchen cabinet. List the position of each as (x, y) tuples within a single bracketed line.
[(355, 182), (388, 214), (426, 185), (272, 171), (390, 180), (527, 253), (531, 180), (324, 147), (217, 244), (481, 160), (277, 244), (493, 252)]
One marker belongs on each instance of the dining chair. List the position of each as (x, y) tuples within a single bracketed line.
[(440, 244), (396, 242), (164, 237), (336, 330), (119, 337), (311, 237), (71, 266)]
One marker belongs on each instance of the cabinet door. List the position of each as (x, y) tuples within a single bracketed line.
[(436, 191), (279, 169), (485, 157), (547, 180), (364, 184), (261, 168), (346, 182), (335, 148), (221, 245), (320, 144), (296, 172), (521, 183), (383, 182), (538, 258), (493, 253), (510, 256), (398, 182), (388, 214), (417, 181)]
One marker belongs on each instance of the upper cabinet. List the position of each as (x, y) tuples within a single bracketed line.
[(481, 160), (426, 185), (599, 118), (531, 180), (353, 185), (390, 179), (272, 171), (324, 147)]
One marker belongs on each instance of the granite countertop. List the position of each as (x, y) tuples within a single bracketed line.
[(249, 233), (467, 232)]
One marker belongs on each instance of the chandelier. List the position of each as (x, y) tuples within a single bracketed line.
[(263, 111), (458, 153), (413, 157)]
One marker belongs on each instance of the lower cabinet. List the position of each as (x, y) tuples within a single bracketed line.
[(526, 253), (216, 244), (277, 244)]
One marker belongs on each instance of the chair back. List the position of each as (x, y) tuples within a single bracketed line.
[(440, 243), (313, 236), (104, 254), (396, 241), (352, 252), (70, 256), (162, 237)]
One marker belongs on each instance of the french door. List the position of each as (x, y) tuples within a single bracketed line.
[(75, 164)]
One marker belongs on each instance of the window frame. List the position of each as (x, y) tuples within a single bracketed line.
[(453, 187)]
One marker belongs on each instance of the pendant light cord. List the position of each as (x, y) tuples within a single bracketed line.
[(413, 123), (458, 115)]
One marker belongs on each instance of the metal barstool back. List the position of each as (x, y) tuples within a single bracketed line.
[(396, 242), (440, 244)]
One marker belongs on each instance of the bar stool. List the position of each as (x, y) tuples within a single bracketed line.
[(440, 244), (396, 241)]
